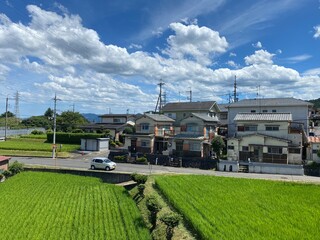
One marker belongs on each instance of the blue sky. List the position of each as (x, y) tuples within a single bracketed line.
[(109, 56)]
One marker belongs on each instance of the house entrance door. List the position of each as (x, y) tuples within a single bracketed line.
[(257, 153)]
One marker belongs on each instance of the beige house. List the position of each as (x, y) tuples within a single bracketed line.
[(314, 147), (193, 137), (266, 137), (152, 134)]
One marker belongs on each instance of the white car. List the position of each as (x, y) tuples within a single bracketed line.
[(103, 163)]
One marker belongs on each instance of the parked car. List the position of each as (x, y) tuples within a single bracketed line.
[(103, 163)]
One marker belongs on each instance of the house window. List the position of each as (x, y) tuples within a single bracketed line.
[(250, 128), (195, 147), (274, 110), (294, 150), (116, 120), (230, 147), (145, 126), (314, 151), (275, 150), (264, 111), (240, 128), (245, 148), (144, 143), (191, 127), (272, 128), (253, 111)]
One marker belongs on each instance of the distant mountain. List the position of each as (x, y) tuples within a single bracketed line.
[(316, 102), (91, 117)]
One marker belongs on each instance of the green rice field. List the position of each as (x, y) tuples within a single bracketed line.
[(230, 208), (36, 205)]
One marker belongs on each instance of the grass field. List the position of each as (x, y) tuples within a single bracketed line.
[(229, 208), (37, 205), (33, 147)]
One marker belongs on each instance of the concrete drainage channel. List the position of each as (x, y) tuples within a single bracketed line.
[(121, 179)]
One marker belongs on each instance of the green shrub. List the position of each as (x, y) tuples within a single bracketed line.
[(1, 176), (141, 188), (16, 167), (154, 207), (7, 173), (121, 158), (37, 132), (77, 131), (139, 178), (142, 160), (75, 138), (171, 220)]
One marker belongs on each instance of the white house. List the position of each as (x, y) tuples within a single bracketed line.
[(314, 147), (265, 137)]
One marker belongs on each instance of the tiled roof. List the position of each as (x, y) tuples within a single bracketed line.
[(188, 106), (205, 117), (159, 117), (270, 102), (223, 107), (263, 117), (314, 139), (3, 158)]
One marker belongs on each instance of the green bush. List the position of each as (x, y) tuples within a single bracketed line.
[(16, 167), (7, 173), (142, 160), (37, 132), (141, 188), (154, 207), (171, 220), (1, 176), (139, 178), (75, 138), (121, 158)]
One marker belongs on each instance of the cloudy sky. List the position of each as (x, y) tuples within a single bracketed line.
[(109, 56)]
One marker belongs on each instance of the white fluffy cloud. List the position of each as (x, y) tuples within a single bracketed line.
[(317, 32), (195, 42), (259, 57), (56, 53), (257, 45)]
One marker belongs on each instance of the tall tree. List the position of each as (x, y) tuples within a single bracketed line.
[(68, 121), (49, 113), (218, 145)]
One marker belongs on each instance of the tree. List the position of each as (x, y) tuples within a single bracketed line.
[(218, 145), (9, 114), (318, 153), (69, 121), (49, 113)]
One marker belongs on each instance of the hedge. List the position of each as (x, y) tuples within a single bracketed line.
[(72, 138)]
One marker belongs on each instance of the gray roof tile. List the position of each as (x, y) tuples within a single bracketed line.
[(263, 117), (188, 106), (270, 102)]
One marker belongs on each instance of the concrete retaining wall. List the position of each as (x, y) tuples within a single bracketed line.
[(285, 169), (107, 177)]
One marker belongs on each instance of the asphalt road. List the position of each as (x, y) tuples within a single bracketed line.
[(83, 162)]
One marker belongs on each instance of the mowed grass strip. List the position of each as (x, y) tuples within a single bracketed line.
[(31, 144), (36, 205), (230, 208)]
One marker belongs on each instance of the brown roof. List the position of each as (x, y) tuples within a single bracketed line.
[(188, 106), (314, 139)]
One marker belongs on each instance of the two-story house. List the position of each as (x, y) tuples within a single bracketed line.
[(152, 134), (181, 110), (300, 110), (115, 123), (194, 135), (265, 137)]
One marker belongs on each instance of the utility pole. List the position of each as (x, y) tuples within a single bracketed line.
[(6, 120), (190, 95), (54, 126), (235, 99), (159, 101), (16, 107)]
